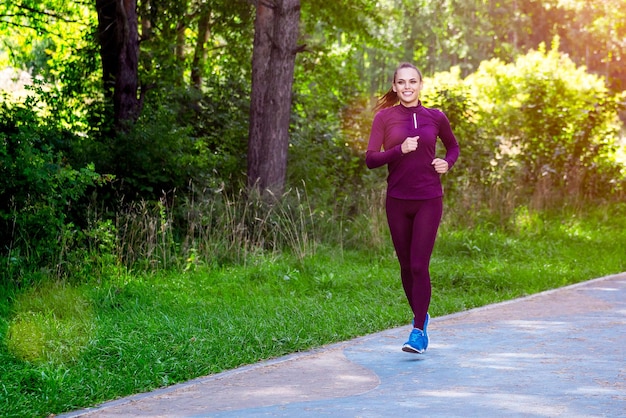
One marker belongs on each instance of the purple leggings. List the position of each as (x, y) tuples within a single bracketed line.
[(413, 225)]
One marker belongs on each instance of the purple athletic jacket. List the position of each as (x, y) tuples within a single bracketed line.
[(411, 176)]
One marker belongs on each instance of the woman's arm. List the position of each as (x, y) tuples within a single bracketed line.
[(449, 141), (375, 156)]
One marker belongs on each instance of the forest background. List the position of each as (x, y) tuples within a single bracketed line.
[(140, 138), (109, 110)]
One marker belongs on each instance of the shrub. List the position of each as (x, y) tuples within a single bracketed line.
[(556, 127), (38, 189)]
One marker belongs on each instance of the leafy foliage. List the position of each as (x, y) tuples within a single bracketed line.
[(556, 126), (531, 128), (38, 190)]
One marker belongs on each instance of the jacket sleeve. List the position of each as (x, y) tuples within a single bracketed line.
[(375, 155), (449, 141)]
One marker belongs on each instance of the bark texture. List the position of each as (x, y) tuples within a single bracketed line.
[(273, 60), (119, 50)]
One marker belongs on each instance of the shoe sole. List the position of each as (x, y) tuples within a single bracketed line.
[(408, 349)]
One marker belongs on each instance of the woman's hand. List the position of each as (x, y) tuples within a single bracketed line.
[(410, 144), (441, 165)]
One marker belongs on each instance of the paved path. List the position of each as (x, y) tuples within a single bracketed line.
[(560, 353)]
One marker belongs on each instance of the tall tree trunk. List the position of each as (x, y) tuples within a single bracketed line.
[(107, 36), (181, 27), (273, 61), (119, 50), (200, 52)]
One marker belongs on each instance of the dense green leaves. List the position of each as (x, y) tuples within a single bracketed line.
[(531, 125), (556, 125), (39, 35), (38, 189)]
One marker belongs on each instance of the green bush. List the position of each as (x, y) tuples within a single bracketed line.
[(38, 189), (556, 127), (329, 129), (179, 138)]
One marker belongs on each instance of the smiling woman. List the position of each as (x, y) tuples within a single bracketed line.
[(404, 137)]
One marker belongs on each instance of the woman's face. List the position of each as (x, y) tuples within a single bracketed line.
[(407, 86)]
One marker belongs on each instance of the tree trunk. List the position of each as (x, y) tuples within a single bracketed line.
[(273, 60), (119, 50), (107, 36), (200, 52)]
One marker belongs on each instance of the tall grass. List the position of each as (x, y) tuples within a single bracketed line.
[(215, 228)]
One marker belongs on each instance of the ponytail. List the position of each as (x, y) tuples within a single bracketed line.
[(387, 100)]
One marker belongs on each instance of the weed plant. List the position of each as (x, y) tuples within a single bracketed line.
[(249, 281)]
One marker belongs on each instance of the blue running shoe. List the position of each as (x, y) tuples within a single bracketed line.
[(418, 340), (416, 343)]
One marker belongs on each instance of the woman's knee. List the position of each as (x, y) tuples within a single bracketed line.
[(419, 270)]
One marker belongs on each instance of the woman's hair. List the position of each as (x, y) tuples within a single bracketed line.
[(391, 97)]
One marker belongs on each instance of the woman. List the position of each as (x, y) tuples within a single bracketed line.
[(404, 137)]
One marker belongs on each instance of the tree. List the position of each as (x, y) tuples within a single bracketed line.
[(273, 60), (119, 50)]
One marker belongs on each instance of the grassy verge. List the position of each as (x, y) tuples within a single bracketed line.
[(67, 346)]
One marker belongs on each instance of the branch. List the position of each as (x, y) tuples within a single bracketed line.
[(45, 13), (301, 48), (34, 28)]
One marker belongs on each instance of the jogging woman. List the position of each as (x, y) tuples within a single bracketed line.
[(403, 137)]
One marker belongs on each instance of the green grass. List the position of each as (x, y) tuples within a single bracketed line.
[(68, 346)]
